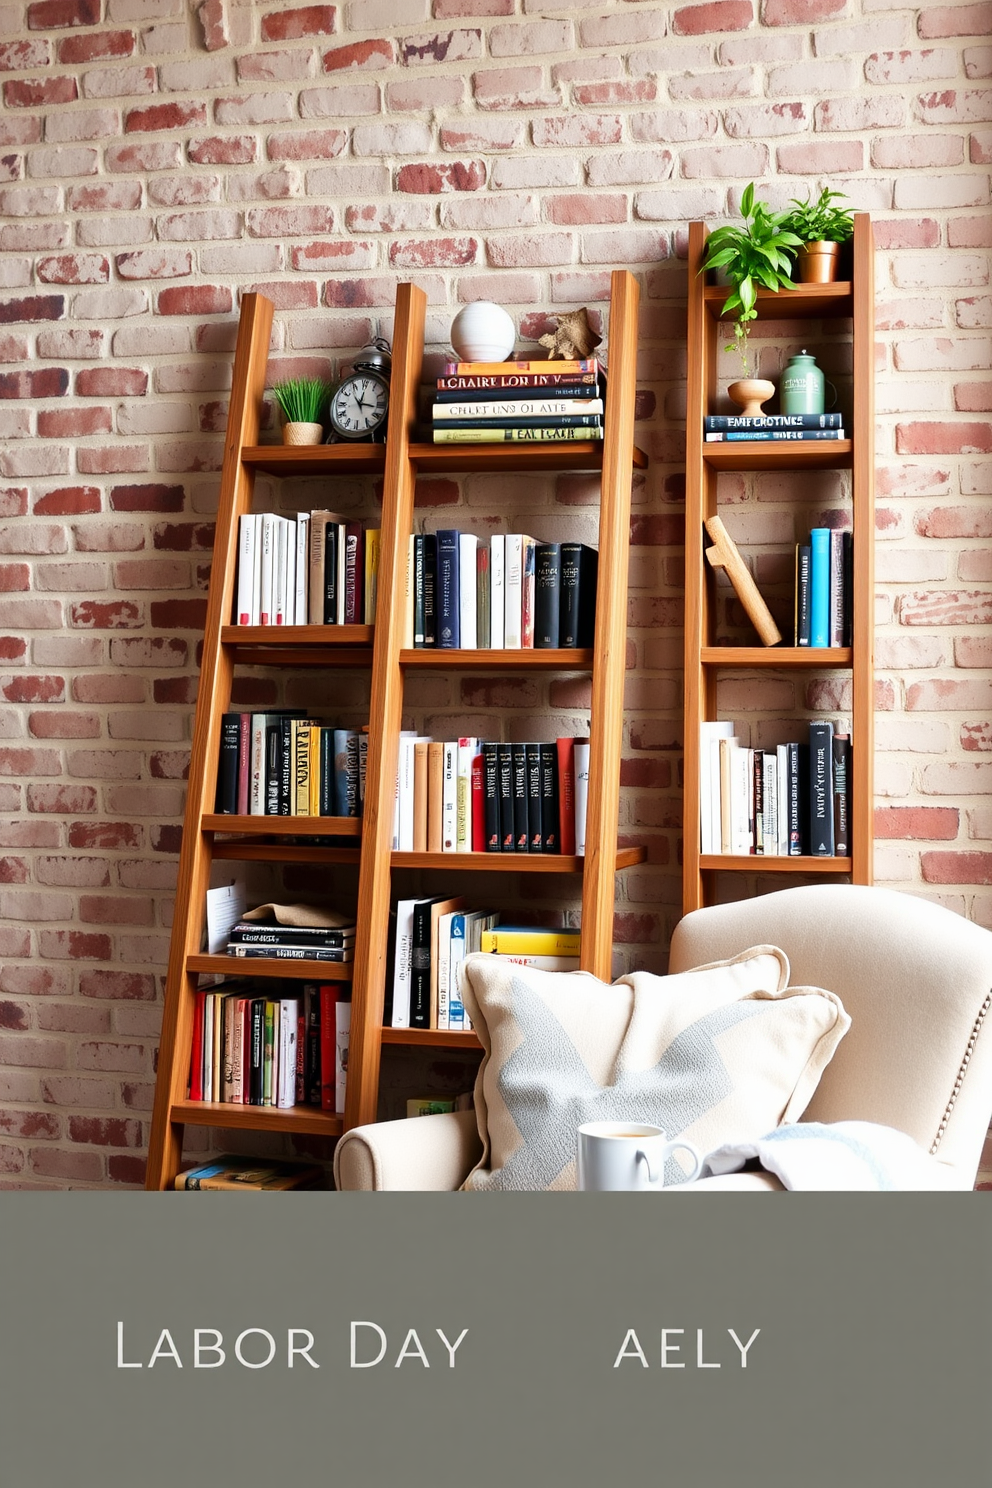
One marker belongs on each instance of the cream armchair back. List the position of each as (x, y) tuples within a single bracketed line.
[(915, 978)]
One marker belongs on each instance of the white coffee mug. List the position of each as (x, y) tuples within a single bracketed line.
[(626, 1156)]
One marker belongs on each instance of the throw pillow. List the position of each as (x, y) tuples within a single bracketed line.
[(720, 1054)]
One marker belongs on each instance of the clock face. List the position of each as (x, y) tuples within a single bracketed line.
[(359, 406)]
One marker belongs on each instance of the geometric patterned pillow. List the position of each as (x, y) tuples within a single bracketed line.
[(724, 1053)]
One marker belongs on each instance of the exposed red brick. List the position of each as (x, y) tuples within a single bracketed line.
[(20, 56), (119, 614), (39, 93), (126, 1169), (235, 149), (179, 614), (32, 308), (111, 382), (917, 823), (290, 25), (944, 438), (718, 16), (957, 867), (158, 498), (155, 116), (29, 689), (73, 423), (199, 299), (68, 501), (56, 15), (74, 268), (14, 577), (431, 179), (364, 54), (45, 382), (433, 253), (74, 49)]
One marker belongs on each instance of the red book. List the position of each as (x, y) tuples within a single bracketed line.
[(196, 1058), (329, 993), (244, 763), (478, 805), (354, 573), (566, 795), (301, 1056)]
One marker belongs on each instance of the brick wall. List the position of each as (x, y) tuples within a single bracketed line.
[(158, 160)]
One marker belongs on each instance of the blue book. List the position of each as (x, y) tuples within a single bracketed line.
[(456, 1011), (819, 587), (447, 595), (344, 739)]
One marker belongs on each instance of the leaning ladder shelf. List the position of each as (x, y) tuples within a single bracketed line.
[(367, 844), (851, 300)]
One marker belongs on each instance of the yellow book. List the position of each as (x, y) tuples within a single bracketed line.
[(372, 542), (520, 939), (313, 757), (301, 767)]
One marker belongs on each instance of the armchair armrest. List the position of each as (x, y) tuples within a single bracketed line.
[(427, 1154)]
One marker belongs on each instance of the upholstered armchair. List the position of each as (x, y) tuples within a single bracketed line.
[(915, 978)]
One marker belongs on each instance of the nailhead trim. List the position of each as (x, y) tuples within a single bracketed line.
[(966, 1060)]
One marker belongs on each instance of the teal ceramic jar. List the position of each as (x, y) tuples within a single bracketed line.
[(802, 389)]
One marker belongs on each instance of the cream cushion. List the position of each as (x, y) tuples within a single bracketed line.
[(722, 1053)]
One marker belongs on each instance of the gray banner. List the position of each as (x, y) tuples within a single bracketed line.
[(811, 1340)]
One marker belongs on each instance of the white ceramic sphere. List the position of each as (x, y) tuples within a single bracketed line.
[(482, 332)]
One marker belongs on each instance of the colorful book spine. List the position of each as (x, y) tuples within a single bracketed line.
[(819, 610), (448, 595), (717, 422), (564, 367), (730, 435), (523, 390), (516, 408), (821, 789), (545, 433)]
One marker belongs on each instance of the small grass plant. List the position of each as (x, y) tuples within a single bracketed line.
[(302, 400)]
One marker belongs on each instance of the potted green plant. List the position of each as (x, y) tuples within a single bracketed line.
[(821, 227), (756, 256), (303, 403)]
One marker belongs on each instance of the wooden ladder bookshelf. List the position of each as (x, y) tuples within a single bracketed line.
[(208, 837), (852, 300)]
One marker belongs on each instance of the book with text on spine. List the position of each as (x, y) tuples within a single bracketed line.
[(584, 365), (773, 434), (538, 409), (545, 434), (715, 422)]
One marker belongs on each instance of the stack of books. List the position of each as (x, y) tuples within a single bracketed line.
[(728, 427), (513, 402), (793, 801), (508, 593), (534, 945), (317, 568), (471, 795), (259, 939), (287, 764), (240, 1174), (824, 590), (258, 1048)]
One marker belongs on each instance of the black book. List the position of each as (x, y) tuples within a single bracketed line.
[(547, 595), (550, 823), (821, 789), (430, 589), (418, 590), (311, 1058), (286, 782), (757, 800), (504, 756), (577, 618), (535, 833), (842, 794), (490, 795), (273, 764), (326, 799), (256, 1050), (795, 800), (848, 571), (420, 963), (253, 932), (521, 813), (227, 767), (836, 596), (803, 561), (331, 537)]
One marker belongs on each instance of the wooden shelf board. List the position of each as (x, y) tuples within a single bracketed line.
[(776, 656), (295, 1119), (626, 857), (756, 863), (316, 459), (578, 454), (283, 852), (806, 300), (780, 454), (284, 826), (269, 966), (300, 645), (570, 659), (437, 1038)]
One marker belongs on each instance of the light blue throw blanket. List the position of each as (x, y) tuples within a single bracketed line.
[(847, 1155)]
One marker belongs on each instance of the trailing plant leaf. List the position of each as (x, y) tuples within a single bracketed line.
[(303, 400), (819, 222), (758, 255)]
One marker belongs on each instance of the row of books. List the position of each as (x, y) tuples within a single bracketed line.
[(257, 939), (288, 764), (317, 568), (510, 593), (234, 1174), (824, 588), (517, 402), (257, 1048), (431, 940), (728, 427), (472, 795), (793, 801)]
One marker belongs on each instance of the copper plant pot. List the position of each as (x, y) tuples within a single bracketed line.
[(817, 263)]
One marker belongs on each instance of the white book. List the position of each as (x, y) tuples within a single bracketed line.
[(741, 779), (406, 636), (407, 774), (247, 603), (256, 777), (279, 592), (443, 969), (769, 805), (497, 591), (543, 963), (782, 781), (581, 765), (513, 592), (546, 408), (342, 1038), (397, 797), (402, 963), (301, 606), (449, 797), (289, 561), (289, 1015), (342, 570), (468, 748), (468, 569), (207, 1060), (265, 606), (709, 826)]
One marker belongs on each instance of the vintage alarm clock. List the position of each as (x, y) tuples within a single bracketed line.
[(359, 405)]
